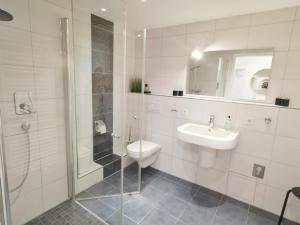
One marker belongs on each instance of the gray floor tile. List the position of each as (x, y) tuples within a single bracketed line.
[(205, 202), (194, 215), (184, 192), (117, 218), (102, 188), (180, 222), (255, 219), (232, 211), (172, 205), (158, 217), (99, 208), (136, 208), (162, 185), (113, 202), (153, 195)]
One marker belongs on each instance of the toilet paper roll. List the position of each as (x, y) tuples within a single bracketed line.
[(100, 126)]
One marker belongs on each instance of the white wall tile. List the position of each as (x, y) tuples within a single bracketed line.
[(255, 143), (173, 66), (185, 151), (292, 68), (298, 13), (287, 150), (45, 17), (15, 47), (184, 170), (274, 16), (288, 123), (212, 179), (49, 83), (51, 113), (14, 79), (47, 51), (275, 36), (295, 39), (174, 46), (233, 22), (53, 168), (291, 90), (243, 164), (282, 176), (279, 65), (229, 40), (153, 67), (240, 187), (62, 3), (199, 41), (274, 90), (174, 30), (162, 124), (82, 34), (154, 33), (21, 213), (273, 200), (164, 163), (83, 70), (200, 27), (55, 193), (253, 117), (153, 48), (165, 142)]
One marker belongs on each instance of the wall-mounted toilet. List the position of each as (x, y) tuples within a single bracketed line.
[(149, 153)]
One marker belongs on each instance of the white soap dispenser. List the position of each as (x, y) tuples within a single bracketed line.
[(228, 123)]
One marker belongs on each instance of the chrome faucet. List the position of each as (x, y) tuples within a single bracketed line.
[(211, 121)]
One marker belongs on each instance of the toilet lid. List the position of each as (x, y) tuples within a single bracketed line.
[(147, 147)]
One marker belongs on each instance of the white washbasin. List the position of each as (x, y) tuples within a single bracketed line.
[(215, 138)]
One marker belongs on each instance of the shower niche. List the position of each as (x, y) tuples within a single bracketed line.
[(102, 33)]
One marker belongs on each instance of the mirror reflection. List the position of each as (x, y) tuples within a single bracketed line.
[(240, 74)]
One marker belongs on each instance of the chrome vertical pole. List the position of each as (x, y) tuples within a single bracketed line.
[(4, 195), (69, 106)]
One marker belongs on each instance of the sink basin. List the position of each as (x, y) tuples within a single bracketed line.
[(216, 138), (209, 140)]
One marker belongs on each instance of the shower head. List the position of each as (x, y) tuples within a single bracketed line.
[(5, 16)]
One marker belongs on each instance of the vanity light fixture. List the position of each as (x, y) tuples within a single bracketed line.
[(197, 55), (139, 35)]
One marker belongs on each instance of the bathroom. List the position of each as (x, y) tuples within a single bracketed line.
[(149, 112)]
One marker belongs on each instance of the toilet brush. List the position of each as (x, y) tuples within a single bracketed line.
[(296, 192)]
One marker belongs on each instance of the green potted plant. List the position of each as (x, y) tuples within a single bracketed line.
[(136, 85)]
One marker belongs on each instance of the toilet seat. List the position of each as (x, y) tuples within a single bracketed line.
[(148, 149)]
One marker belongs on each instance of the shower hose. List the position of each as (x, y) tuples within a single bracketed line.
[(25, 126)]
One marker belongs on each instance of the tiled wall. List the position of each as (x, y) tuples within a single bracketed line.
[(31, 60), (276, 146), (168, 49), (102, 83)]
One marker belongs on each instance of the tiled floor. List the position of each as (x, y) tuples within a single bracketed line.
[(165, 200)]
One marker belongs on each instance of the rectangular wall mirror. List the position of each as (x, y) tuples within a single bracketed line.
[(238, 74)]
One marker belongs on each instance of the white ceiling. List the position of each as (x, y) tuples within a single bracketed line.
[(159, 13)]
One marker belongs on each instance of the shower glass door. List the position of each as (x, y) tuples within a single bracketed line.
[(104, 171)]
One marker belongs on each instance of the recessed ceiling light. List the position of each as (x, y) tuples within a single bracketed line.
[(143, 0), (139, 35), (103, 9)]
